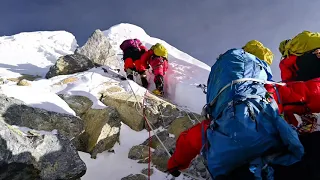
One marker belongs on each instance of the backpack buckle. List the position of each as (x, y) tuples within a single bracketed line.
[(205, 111)]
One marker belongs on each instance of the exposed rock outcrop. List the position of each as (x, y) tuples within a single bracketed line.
[(70, 64), (99, 50), (15, 112), (102, 126), (37, 156)]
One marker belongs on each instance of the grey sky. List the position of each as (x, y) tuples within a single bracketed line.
[(202, 28)]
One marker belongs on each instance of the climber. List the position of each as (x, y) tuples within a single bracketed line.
[(300, 57), (238, 111), (189, 145), (157, 58), (133, 65), (298, 97)]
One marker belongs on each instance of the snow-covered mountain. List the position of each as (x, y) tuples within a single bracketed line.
[(33, 53)]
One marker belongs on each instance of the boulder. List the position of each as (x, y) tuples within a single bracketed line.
[(146, 171), (80, 104), (99, 50), (179, 125), (135, 177), (24, 82), (15, 112), (44, 156), (163, 135), (198, 169), (129, 106), (160, 156), (126, 105), (70, 64), (102, 130), (102, 126), (139, 152)]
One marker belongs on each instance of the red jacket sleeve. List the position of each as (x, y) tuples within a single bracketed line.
[(306, 93), (288, 68), (128, 64), (188, 146), (297, 97)]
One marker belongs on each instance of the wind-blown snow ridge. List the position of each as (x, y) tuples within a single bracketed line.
[(118, 33), (185, 72), (33, 52)]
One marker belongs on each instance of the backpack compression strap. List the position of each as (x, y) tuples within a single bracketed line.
[(242, 80), (205, 108)]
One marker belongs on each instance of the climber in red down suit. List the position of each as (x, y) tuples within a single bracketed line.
[(159, 67), (297, 97)]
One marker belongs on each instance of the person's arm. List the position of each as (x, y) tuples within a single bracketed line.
[(294, 97), (165, 66), (188, 146), (128, 64)]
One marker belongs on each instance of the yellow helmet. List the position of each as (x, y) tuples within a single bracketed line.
[(282, 46), (256, 48)]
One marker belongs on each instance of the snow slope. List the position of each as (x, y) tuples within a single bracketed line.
[(34, 52)]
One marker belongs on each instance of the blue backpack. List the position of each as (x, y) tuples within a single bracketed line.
[(245, 125)]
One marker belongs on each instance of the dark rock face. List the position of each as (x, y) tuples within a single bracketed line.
[(70, 64)]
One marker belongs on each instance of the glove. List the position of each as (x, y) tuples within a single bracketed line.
[(175, 173)]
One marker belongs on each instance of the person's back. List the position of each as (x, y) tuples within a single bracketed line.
[(308, 66), (133, 50), (133, 53), (236, 102), (156, 57), (233, 65)]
